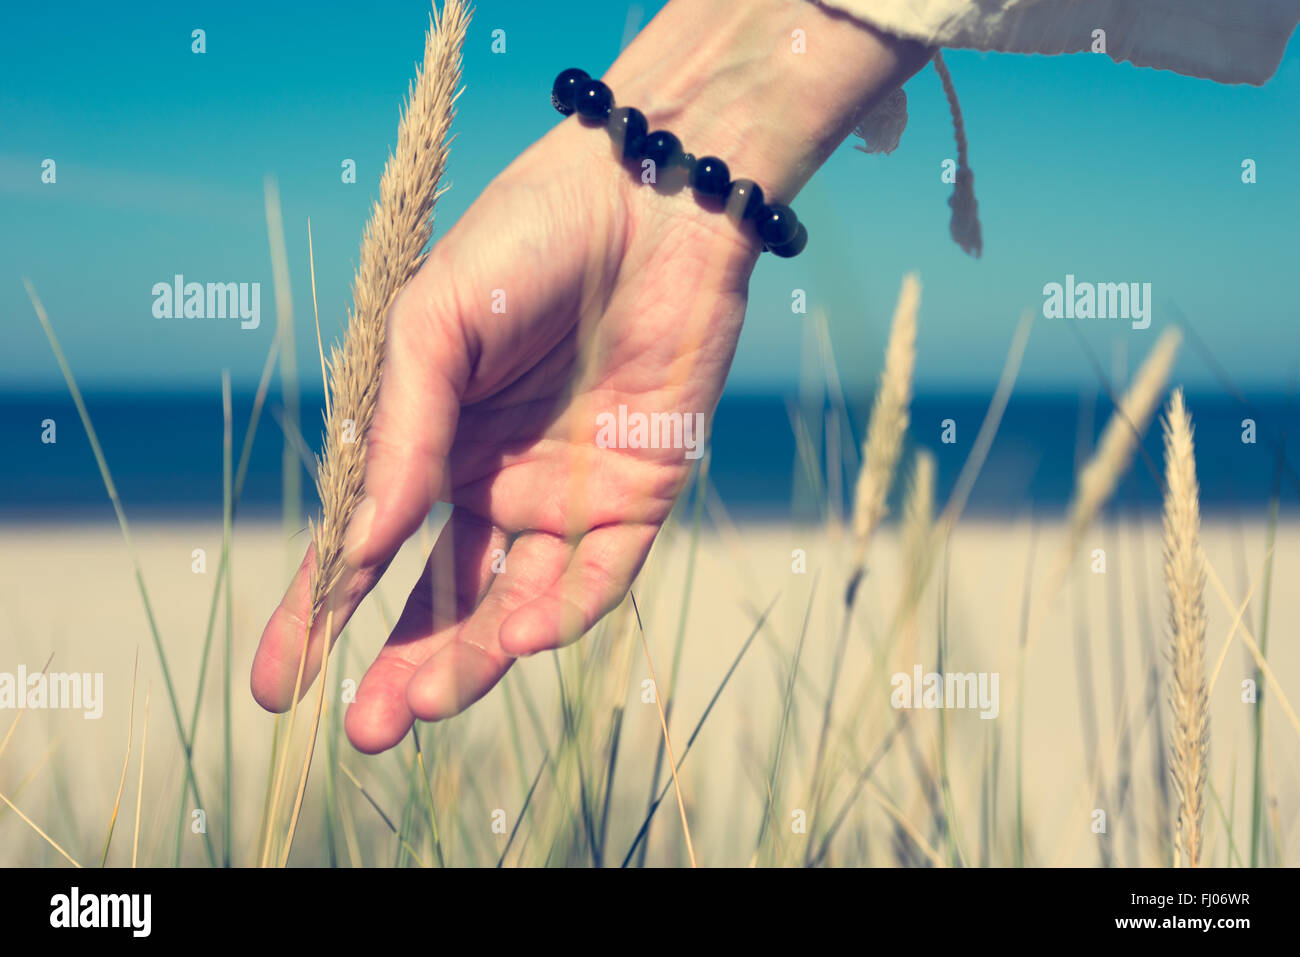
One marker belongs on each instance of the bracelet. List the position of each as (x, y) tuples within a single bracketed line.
[(777, 226)]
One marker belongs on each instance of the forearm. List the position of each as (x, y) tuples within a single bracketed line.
[(727, 78)]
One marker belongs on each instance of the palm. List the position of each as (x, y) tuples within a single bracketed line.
[(550, 303)]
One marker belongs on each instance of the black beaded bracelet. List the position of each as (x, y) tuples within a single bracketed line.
[(777, 226)]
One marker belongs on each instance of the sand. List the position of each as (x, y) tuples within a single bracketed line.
[(69, 590)]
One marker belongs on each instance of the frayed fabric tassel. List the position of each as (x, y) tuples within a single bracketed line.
[(882, 128), (965, 222)]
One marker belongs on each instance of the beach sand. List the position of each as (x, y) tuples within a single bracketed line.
[(70, 591)]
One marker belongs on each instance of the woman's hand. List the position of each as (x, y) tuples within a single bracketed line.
[(568, 289), (606, 294)]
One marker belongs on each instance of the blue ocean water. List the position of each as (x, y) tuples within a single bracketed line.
[(164, 451)]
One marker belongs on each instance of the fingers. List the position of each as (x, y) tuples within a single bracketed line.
[(275, 666), (598, 576), (424, 376), (567, 494), (462, 671), (456, 575)]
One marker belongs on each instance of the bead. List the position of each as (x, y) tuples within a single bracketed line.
[(776, 224), (562, 91), (574, 91), (795, 245), (593, 100), (744, 199), (627, 125), (662, 148), (710, 177)]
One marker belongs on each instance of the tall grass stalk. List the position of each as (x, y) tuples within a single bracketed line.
[(311, 749), (917, 535), (227, 557), (139, 791), (1185, 584), (886, 429), (126, 762), (701, 482), (218, 587), (787, 708), (388, 821), (699, 726), (13, 725), (36, 827), (1251, 646), (272, 816), (906, 603), (428, 793), (512, 723), (1120, 439), (333, 725), (951, 833), (663, 724), (890, 414), (392, 250), (111, 488), (859, 785), (1257, 768), (1021, 646), (523, 811), (290, 475)]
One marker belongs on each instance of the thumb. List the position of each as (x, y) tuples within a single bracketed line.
[(425, 371)]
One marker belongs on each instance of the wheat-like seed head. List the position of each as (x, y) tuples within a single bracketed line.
[(1100, 476), (392, 250), (918, 541), (918, 519), (889, 418), (1185, 580)]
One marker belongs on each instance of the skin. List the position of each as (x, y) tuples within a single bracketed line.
[(617, 293)]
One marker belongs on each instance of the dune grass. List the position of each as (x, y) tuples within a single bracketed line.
[(577, 776), (109, 486), (933, 791), (1185, 582)]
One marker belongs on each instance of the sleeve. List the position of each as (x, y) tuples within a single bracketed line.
[(1228, 41)]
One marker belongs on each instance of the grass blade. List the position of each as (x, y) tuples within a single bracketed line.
[(130, 546), (699, 725), (227, 560), (126, 761), (139, 791)]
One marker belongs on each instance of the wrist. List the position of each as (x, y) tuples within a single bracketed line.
[(738, 81)]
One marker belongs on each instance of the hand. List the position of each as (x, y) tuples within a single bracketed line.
[(613, 295), (609, 294)]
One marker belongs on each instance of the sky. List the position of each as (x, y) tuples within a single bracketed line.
[(1082, 166)]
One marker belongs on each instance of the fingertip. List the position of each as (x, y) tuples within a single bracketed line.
[(541, 626), (378, 718), (452, 680), (285, 650), (271, 678), (521, 634), (375, 723), (266, 692)]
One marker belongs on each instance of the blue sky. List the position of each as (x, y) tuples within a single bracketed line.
[(1082, 166)]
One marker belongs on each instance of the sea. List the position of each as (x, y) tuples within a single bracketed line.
[(164, 451)]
